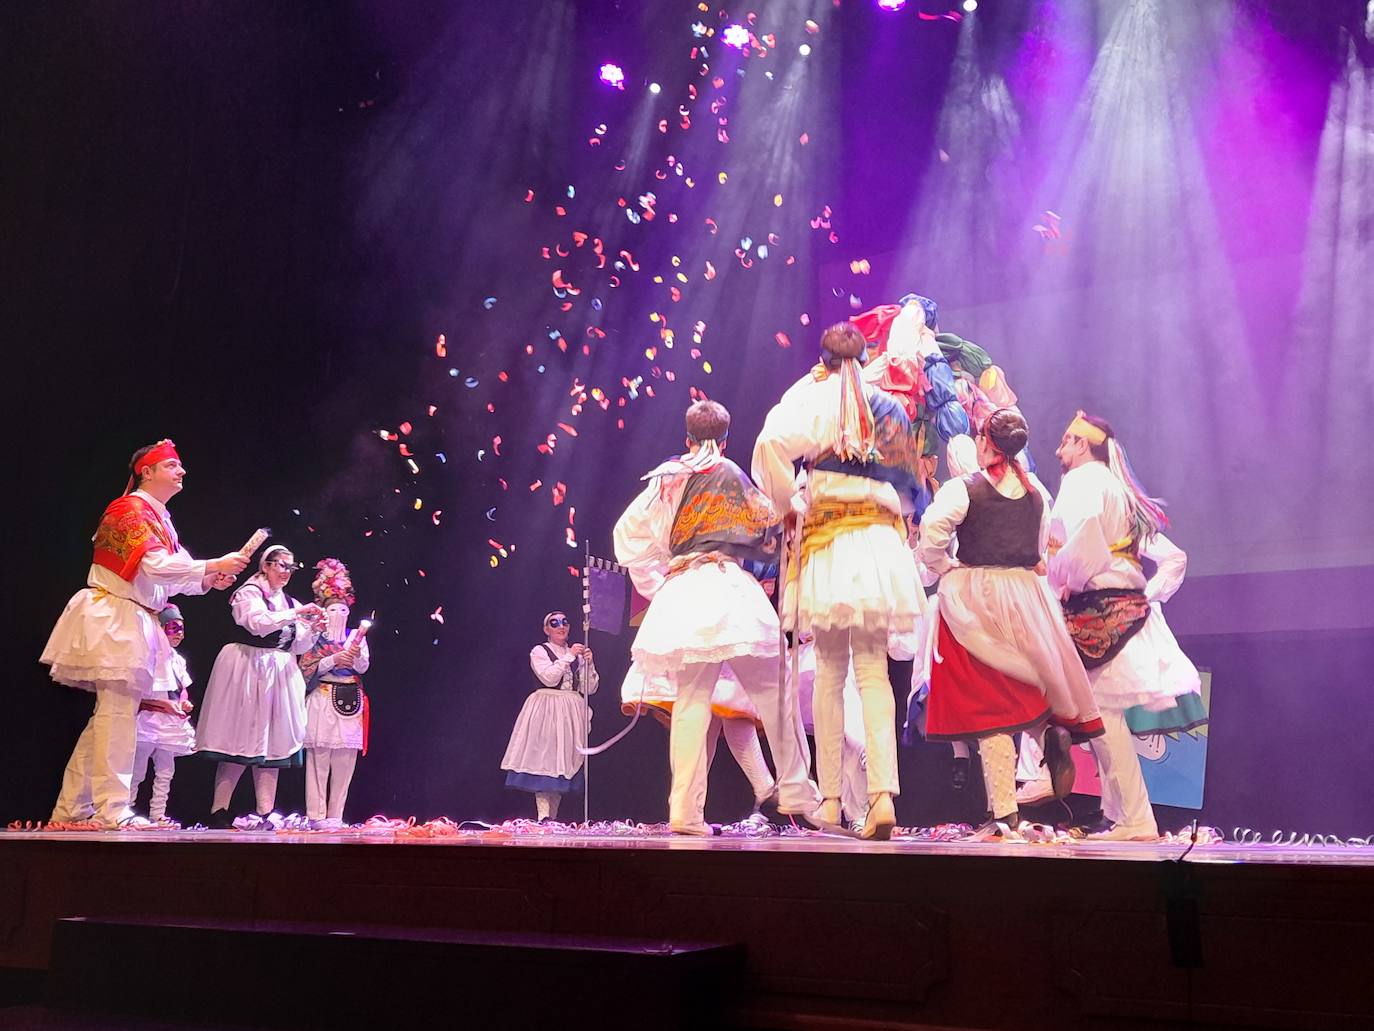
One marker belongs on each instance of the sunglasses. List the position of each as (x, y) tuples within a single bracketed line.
[(557, 621), (285, 567)]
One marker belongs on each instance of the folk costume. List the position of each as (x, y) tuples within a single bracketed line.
[(683, 539), (1103, 530), (338, 714), (108, 641), (542, 756), (855, 583), (1003, 661), (253, 714), (164, 725)]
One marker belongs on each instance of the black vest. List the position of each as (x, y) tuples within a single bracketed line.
[(282, 640), (539, 685), (999, 531)]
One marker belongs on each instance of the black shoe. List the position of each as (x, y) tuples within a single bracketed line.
[(958, 774), (220, 820), (1059, 761)]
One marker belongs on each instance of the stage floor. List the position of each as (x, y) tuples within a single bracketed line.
[(838, 932), (803, 843)]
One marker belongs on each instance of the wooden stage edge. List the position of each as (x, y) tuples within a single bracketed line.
[(838, 933)]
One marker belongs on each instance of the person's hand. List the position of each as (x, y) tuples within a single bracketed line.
[(222, 581), (349, 655), (1040, 568), (312, 614), (233, 563), (770, 586), (184, 707), (577, 649), (586, 654)]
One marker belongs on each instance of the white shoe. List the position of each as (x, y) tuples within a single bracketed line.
[(1123, 832), (1034, 792)]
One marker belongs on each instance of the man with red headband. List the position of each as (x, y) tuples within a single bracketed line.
[(108, 640), (1103, 530), (1003, 661)]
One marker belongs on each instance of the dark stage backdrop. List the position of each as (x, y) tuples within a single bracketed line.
[(246, 227)]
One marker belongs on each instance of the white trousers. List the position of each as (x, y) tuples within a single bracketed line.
[(742, 738), (98, 779), (264, 786), (869, 652), (1028, 761), (997, 754), (328, 772), (164, 765), (1125, 800), (777, 709)]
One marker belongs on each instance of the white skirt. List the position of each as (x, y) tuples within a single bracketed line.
[(167, 732), (326, 727), (864, 578), (729, 699), (1150, 670), (709, 613), (1011, 620), (552, 725), (104, 641), (254, 706)]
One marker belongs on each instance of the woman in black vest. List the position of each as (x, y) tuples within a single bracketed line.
[(1003, 659), (542, 756), (253, 714)]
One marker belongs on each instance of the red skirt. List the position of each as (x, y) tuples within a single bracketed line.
[(970, 699)]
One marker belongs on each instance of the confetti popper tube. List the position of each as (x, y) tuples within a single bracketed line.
[(359, 632), (255, 542)]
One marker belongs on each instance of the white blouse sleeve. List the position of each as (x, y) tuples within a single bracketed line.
[(178, 572), (1171, 563), (364, 658), (939, 524), (549, 671), (641, 540), (251, 612)]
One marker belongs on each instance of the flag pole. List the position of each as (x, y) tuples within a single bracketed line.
[(586, 671)]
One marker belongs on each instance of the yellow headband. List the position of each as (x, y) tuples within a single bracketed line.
[(1081, 427)]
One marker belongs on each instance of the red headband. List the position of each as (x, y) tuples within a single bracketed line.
[(159, 452)]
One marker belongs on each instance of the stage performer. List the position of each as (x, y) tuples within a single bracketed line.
[(683, 540), (733, 716), (108, 641), (855, 583), (337, 710), (164, 722), (253, 713), (1103, 529), (542, 756), (1003, 661)]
